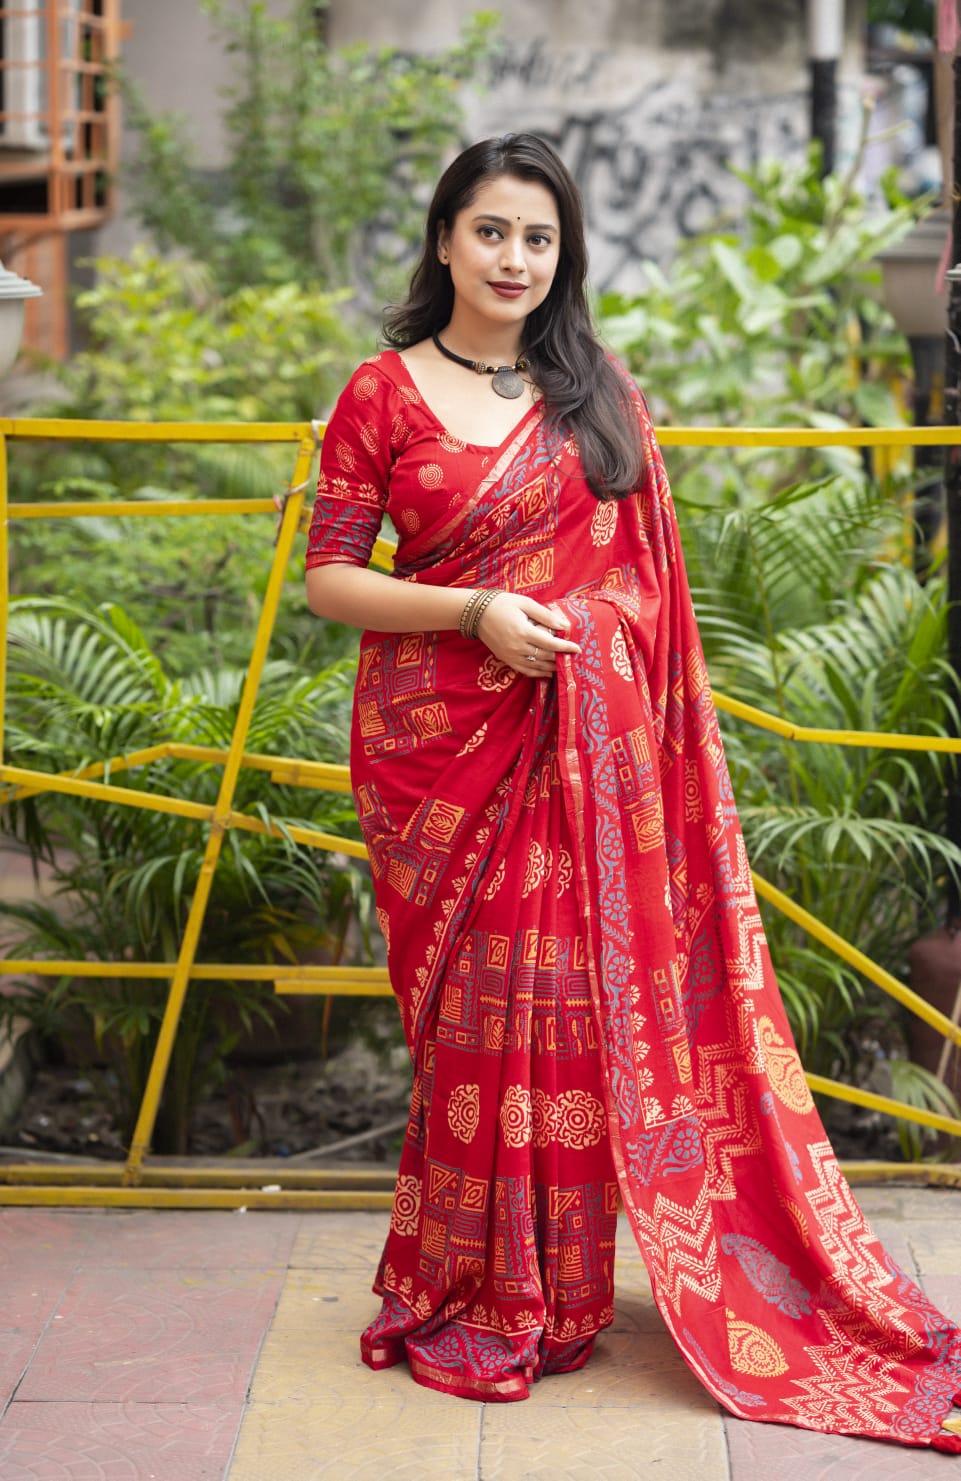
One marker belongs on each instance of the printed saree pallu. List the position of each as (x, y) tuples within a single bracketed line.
[(587, 994)]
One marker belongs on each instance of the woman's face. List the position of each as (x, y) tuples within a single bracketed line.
[(502, 251)]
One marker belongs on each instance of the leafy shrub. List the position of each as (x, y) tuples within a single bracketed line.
[(329, 153), (163, 346), (165, 343), (86, 686)]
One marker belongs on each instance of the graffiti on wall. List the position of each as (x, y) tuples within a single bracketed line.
[(653, 162), (654, 165), (650, 176)]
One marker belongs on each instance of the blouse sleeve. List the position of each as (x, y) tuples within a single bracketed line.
[(355, 463)]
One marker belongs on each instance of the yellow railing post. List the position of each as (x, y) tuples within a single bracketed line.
[(220, 820), (883, 979), (4, 584)]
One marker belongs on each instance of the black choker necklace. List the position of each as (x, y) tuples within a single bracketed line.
[(506, 379)]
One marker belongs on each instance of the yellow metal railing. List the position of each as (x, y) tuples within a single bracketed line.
[(137, 1183)]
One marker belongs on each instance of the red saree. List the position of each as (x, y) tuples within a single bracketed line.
[(581, 968)]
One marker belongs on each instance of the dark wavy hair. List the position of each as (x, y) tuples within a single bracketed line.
[(583, 392)]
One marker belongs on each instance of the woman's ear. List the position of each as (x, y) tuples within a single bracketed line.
[(443, 254)]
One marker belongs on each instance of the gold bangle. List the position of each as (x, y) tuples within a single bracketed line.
[(468, 612), (475, 608), (480, 609)]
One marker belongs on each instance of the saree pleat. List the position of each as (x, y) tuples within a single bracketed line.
[(495, 1198), (587, 993)]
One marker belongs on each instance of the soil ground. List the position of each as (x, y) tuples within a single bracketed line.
[(262, 1110), (294, 1107)]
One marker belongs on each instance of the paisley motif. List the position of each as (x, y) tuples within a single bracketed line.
[(770, 1277), (784, 1070), (620, 657), (753, 1351), (604, 523)]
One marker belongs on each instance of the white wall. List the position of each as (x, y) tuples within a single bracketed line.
[(174, 55)]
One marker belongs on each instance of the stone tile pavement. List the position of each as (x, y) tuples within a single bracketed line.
[(202, 1346)]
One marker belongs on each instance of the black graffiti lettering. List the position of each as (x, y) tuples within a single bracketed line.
[(536, 64), (652, 169), (658, 168)]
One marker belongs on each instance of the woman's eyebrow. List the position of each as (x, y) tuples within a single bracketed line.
[(503, 221)]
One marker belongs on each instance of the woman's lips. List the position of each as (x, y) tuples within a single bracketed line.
[(508, 290)]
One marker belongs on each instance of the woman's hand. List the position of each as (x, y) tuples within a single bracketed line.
[(525, 635)]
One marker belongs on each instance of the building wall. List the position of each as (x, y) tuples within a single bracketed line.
[(175, 56), (648, 101), (759, 32)]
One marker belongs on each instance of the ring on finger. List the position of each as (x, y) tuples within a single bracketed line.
[(533, 657)]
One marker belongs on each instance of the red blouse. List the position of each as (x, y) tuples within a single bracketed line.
[(384, 452)]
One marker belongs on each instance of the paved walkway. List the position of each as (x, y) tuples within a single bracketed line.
[(202, 1346)]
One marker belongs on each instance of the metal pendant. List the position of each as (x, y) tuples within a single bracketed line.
[(507, 382)]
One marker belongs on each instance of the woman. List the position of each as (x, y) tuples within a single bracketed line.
[(560, 875)]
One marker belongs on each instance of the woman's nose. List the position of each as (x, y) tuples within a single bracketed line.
[(512, 254)]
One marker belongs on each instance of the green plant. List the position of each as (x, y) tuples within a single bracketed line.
[(909, 15), (86, 686), (849, 832), (161, 345), (165, 342), (916, 1086), (328, 152), (777, 324)]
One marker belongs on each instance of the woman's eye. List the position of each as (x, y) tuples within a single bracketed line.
[(538, 240), (489, 233)]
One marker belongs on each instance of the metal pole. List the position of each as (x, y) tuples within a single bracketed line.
[(824, 107), (952, 482), (825, 39)]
